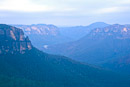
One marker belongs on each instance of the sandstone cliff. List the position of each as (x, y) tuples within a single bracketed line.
[(12, 40)]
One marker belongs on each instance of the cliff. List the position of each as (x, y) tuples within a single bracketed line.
[(12, 40)]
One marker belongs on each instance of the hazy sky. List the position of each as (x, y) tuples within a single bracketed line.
[(64, 12)]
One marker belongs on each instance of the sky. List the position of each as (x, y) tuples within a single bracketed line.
[(64, 12)]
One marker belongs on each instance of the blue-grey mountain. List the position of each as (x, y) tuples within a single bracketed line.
[(100, 46), (78, 32)]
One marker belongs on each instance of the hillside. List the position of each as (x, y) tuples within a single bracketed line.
[(38, 66), (100, 46)]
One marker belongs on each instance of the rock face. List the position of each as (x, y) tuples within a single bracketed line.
[(39, 29), (12, 40), (114, 31)]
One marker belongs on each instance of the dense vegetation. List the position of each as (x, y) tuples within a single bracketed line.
[(6, 81), (36, 67)]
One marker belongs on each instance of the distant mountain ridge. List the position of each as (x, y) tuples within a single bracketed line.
[(43, 35), (40, 29), (116, 31), (78, 32)]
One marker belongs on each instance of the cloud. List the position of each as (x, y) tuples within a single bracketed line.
[(62, 5), (23, 5), (111, 10), (66, 11)]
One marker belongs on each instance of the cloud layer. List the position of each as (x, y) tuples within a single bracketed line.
[(64, 12)]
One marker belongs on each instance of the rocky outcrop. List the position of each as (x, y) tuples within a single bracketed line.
[(114, 31), (12, 40), (39, 29)]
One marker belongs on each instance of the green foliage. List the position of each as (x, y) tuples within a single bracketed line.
[(36, 67), (18, 82)]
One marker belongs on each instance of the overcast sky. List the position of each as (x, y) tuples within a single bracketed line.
[(64, 12)]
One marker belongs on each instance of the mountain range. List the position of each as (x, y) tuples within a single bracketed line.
[(43, 35), (108, 47), (30, 67), (77, 32)]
